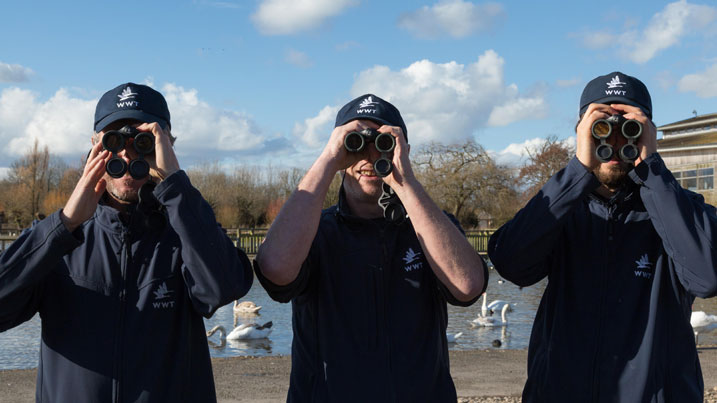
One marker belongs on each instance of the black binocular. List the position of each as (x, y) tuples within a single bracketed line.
[(393, 210), (384, 143), (116, 140), (631, 129)]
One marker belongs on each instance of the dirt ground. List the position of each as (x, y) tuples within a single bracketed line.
[(485, 376)]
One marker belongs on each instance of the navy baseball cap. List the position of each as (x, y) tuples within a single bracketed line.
[(131, 101), (617, 88), (371, 107)]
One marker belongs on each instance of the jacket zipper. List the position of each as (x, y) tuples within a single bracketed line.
[(607, 250), (124, 263), (384, 273)]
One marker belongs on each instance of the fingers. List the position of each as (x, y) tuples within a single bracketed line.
[(94, 152)]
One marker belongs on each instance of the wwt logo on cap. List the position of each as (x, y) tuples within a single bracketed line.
[(124, 96), (615, 83), (365, 104)]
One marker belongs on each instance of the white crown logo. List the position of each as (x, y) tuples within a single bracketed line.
[(411, 256), (162, 292), (126, 94), (644, 262), (615, 82), (367, 102)]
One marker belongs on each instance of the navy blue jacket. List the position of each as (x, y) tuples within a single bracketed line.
[(369, 316), (122, 306), (614, 322)]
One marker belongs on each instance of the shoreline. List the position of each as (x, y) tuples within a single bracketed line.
[(491, 375)]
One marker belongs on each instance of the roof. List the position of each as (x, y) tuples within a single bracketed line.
[(693, 121), (687, 141)]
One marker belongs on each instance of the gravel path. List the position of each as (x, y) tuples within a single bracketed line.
[(485, 376)]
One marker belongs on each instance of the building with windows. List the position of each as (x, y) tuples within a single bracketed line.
[(689, 149)]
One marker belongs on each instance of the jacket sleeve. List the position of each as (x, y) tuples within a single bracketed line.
[(520, 250), (26, 263), (215, 271), (684, 222)]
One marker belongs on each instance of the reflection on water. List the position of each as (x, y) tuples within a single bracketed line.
[(19, 347)]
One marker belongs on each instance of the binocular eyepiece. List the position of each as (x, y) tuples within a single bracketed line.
[(115, 141), (602, 129), (384, 142)]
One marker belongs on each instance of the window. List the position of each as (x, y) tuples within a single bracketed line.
[(696, 179)]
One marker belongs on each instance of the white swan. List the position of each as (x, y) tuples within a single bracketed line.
[(702, 322), (498, 305), (452, 337), (494, 306), (490, 321), (217, 328), (222, 336), (484, 307), (250, 331), (246, 307)]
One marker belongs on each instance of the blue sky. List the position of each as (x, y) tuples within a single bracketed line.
[(260, 81)]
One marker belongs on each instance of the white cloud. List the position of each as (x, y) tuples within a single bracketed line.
[(64, 124), (199, 127), (703, 84), (516, 154), (517, 109), (571, 82), (14, 73), (664, 30), (298, 58), (286, 17), (315, 131), (455, 18), (444, 102)]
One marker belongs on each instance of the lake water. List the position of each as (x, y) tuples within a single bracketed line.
[(19, 347)]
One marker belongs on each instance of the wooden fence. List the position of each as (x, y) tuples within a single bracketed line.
[(249, 240)]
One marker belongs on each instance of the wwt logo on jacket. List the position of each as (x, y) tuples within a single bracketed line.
[(643, 265), (160, 294), (411, 257)]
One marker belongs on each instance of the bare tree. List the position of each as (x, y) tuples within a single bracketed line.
[(552, 156), (464, 180)]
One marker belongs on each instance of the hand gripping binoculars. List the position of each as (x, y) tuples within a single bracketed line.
[(384, 143), (116, 140), (393, 210), (631, 129)]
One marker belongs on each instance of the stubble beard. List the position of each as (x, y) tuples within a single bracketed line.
[(614, 177), (128, 195)]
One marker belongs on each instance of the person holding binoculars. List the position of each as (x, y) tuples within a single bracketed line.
[(123, 275), (625, 249), (368, 278)]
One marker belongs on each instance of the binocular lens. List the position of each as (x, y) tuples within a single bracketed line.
[(116, 167), (385, 142), (629, 152), (604, 152), (138, 169), (144, 143), (632, 129), (383, 166), (113, 141), (354, 142), (601, 129)]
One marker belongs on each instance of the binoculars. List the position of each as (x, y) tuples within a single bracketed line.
[(384, 143), (393, 210), (116, 140), (631, 129)]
